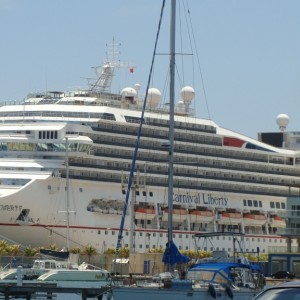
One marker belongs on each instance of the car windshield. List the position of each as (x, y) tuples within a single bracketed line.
[(280, 294)]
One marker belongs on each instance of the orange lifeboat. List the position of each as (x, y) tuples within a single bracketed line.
[(142, 213), (230, 218), (179, 214), (278, 222), (254, 219), (201, 216)]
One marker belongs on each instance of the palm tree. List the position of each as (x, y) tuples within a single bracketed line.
[(29, 251), (89, 251)]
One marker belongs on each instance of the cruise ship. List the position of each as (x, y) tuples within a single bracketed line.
[(65, 159)]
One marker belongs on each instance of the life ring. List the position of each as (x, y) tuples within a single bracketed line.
[(229, 291), (212, 290)]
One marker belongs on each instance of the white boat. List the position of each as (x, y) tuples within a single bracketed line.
[(39, 267), (220, 170), (85, 272), (220, 277)]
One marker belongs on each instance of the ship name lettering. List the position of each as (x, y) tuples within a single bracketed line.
[(186, 198), (215, 201), (10, 207)]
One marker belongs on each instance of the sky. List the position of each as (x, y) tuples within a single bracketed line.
[(248, 52)]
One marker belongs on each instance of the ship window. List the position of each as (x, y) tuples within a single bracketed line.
[(141, 246), (80, 190), (123, 192), (272, 205), (137, 193), (245, 202), (154, 234), (249, 202), (186, 248), (282, 205), (49, 187), (174, 235), (151, 194), (187, 236), (106, 232), (160, 235), (126, 233), (141, 234), (112, 233), (40, 134), (260, 203), (144, 193), (99, 231), (255, 204), (277, 204)]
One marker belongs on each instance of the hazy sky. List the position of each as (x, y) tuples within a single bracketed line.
[(249, 52)]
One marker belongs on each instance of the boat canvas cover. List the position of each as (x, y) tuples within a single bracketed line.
[(172, 255)]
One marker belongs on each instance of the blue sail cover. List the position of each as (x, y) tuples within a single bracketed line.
[(172, 255)]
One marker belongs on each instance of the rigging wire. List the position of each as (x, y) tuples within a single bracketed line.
[(197, 59), (132, 168)]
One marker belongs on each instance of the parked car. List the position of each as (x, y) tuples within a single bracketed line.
[(287, 290), (283, 275)]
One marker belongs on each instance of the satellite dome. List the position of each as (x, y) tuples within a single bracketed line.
[(153, 98), (282, 121), (180, 106), (187, 94), (137, 87), (128, 92)]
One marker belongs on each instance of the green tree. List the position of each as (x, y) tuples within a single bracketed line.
[(13, 250), (89, 251), (30, 251)]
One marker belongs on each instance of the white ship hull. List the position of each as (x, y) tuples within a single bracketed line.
[(47, 223)]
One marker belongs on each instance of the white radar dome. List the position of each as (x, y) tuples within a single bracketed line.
[(154, 96), (282, 121), (187, 94), (137, 87), (128, 92), (180, 106)]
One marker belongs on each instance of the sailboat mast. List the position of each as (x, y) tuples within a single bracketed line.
[(171, 125), (68, 194)]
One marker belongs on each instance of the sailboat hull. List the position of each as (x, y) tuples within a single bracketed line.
[(137, 293)]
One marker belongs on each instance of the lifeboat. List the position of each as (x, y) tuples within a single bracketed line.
[(230, 218), (278, 222), (179, 214), (142, 213), (201, 216), (254, 219)]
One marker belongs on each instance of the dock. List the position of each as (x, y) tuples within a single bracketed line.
[(49, 291)]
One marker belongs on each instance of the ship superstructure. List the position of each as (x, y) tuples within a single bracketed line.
[(223, 181)]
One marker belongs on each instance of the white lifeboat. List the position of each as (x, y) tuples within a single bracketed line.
[(179, 215), (201, 216), (230, 218), (142, 213), (278, 222), (254, 219)]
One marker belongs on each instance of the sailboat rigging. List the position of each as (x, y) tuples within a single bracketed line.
[(204, 280)]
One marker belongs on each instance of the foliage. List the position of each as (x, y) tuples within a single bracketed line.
[(196, 254), (30, 251), (13, 250), (75, 250), (89, 251), (110, 251)]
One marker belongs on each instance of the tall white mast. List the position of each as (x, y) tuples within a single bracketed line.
[(171, 126)]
